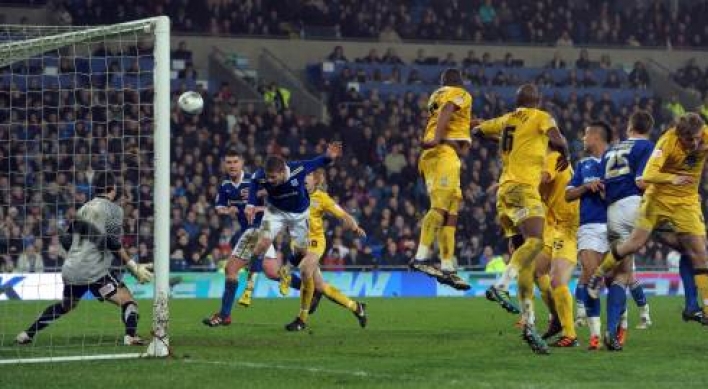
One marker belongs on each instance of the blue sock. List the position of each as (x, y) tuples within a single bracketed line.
[(690, 293), (581, 294), (227, 299), (592, 306), (295, 281), (638, 294), (616, 304)]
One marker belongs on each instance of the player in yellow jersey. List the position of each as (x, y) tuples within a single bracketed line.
[(446, 137), (555, 264), (524, 136), (673, 174), (320, 204)]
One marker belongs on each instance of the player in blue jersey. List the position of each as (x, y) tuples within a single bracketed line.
[(587, 186), (623, 164), (231, 201), (287, 208)]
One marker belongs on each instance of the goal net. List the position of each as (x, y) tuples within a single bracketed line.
[(75, 101)]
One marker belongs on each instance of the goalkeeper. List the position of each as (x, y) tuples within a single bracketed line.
[(91, 241)]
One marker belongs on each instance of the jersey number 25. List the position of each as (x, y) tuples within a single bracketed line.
[(617, 163)]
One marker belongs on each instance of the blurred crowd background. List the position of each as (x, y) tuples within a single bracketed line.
[(53, 139)]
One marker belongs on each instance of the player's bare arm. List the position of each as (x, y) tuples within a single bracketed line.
[(556, 141), (444, 117)]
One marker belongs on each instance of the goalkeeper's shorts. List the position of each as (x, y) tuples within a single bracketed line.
[(103, 289), (247, 242)]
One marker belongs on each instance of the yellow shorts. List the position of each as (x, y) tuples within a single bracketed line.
[(565, 243), (681, 218), (516, 203), (440, 168), (317, 246), (548, 233)]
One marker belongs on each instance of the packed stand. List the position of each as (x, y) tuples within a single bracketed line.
[(378, 182), (546, 22)]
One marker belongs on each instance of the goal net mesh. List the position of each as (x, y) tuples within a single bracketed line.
[(73, 101)]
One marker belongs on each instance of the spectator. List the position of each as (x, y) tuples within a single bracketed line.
[(449, 60), (583, 62), (391, 58), (639, 77), (30, 261), (277, 96), (703, 108), (487, 13), (675, 108), (486, 256), (557, 62), (496, 265), (565, 40), (389, 35), (337, 55), (182, 53), (333, 261), (471, 60)]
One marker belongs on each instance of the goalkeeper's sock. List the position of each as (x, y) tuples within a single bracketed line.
[(616, 304), (638, 294), (306, 293), (50, 314), (690, 292), (130, 318), (295, 282), (338, 297), (563, 302), (228, 297)]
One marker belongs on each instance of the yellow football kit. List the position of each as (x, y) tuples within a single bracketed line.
[(666, 203), (440, 165), (562, 217), (321, 203), (523, 142)]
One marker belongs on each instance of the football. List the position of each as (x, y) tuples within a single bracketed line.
[(191, 103)]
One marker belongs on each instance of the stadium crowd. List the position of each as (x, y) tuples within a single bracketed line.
[(547, 22), (378, 182)]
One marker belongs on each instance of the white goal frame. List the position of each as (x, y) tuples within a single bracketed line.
[(160, 28)]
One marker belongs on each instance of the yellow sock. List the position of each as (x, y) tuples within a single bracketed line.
[(701, 277), (608, 263), (544, 285), (307, 290), (564, 304), (446, 240), (338, 297), (432, 221), (525, 283)]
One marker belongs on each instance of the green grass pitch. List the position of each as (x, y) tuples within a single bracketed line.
[(409, 343)]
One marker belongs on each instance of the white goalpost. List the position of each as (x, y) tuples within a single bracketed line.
[(73, 101)]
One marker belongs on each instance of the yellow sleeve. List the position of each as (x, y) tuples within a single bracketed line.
[(546, 122), (492, 127), (652, 172), (331, 207)]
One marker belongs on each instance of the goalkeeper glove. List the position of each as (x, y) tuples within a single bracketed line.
[(141, 272)]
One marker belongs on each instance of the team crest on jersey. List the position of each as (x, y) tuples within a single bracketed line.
[(294, 183)]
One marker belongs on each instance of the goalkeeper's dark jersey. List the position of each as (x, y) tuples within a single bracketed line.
[(89, 258)]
